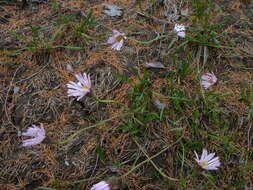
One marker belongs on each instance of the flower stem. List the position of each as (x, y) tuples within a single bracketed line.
[(90, 127), (150, 158), (157, 169), (159, 37), (112, 101)]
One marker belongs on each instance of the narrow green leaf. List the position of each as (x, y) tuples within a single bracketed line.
[(71, 47), (46, 188)]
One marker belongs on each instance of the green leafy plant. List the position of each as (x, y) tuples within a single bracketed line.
[(141, 108), (101, 153), (86, 23)]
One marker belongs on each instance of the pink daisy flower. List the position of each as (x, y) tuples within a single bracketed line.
[(39, 134), (207, 161), (208, 80), (117, 40), (180, 30), (81, 88)]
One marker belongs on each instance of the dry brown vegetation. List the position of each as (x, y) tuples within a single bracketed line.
[(35, 61)]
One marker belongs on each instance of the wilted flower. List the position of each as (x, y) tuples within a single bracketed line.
[(208, 80), (159, 104), (37, 132), (81, 88), (207, 161), (117, 40), (180, 30), (102, 185)]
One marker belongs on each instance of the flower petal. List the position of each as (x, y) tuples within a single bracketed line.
[(209, 157), (37, 132), (101, 186), (111, 40), (204, 154), (197, 157)]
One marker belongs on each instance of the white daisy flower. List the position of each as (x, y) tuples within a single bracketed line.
[(101, 186), (207, 161), (81, 88), (37, 132), (180, 30), (117, 40), (208, 80)]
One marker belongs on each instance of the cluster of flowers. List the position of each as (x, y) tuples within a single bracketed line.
[(207, 161), (117, 40), (83, 86)]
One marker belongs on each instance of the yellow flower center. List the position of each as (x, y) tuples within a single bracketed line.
[(203, 164), (86, 87), (119, 38)]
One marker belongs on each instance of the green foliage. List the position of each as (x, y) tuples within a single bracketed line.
[(141, 105), (193, 145), (210, 112), (201, 9), (178, 98), (11, 64), (101, 153), (201, 117), (141, 94), (65, 19), (19, 36), (247, 92), (204, 31), (86, 23), (46, 188), (117, 164), (37, 41), (185, 68)]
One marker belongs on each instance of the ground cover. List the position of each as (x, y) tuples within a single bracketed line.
[(147, 111)]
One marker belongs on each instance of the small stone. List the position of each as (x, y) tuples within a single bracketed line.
[(157, 65), (70, 68), (113, 10)]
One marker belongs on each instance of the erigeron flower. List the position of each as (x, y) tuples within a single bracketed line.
[(117, 40), (38, 132), (208, 80), (180, 30), (102, 185), (81, 88), (207, 161)]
